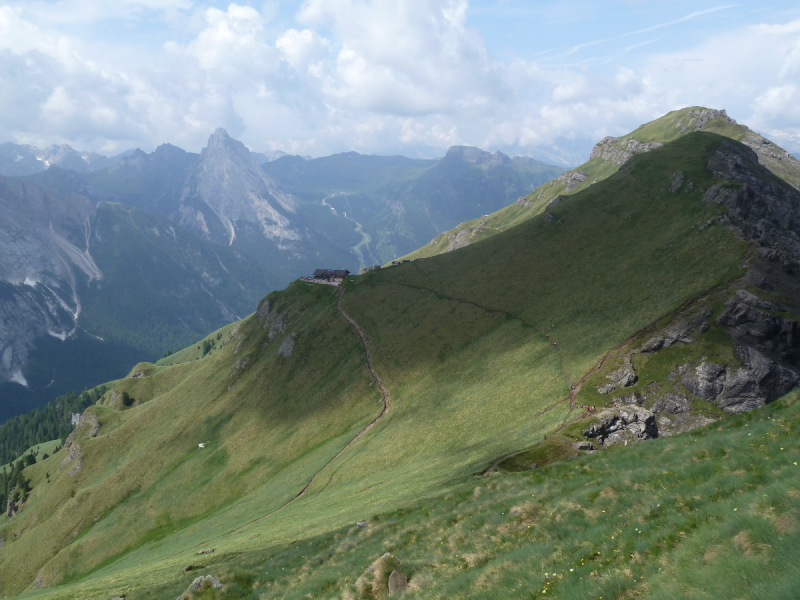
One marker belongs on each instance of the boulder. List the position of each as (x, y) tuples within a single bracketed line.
[(397, 583), (206, 551), (625, 376), (206, 582), (606, 389), (625, 423)]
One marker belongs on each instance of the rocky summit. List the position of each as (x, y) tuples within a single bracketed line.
[(229, 186)]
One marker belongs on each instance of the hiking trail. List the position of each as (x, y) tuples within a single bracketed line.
[(386, 405)]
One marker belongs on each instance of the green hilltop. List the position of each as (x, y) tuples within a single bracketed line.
[(340, 425), (606, 158)]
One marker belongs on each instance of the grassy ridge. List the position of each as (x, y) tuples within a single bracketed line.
[(459, 340), (666, 129)]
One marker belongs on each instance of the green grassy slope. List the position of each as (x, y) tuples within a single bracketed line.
[(714, 513), (670, 127), (458, 339)]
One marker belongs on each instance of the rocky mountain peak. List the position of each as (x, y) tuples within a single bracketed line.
[(229, 186)]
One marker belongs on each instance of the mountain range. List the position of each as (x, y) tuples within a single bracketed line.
[(124, 260), (599, 401)]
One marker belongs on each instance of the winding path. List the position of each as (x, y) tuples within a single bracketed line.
[(386, 405)]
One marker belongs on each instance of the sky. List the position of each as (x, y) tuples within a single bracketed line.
[(314, 77)]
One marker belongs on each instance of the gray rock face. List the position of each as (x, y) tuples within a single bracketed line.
[(619, 424), (44, 244), (654, 344), (739, 390), (753, 300), (671, 403), (768, 333), (680, 331), (762, 208)]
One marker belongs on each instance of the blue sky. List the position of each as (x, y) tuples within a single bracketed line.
[(541, 78)]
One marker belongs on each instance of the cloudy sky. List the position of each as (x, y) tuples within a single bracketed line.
[(537, 77)]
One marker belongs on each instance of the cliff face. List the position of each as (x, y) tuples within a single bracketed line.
[(43, 241)]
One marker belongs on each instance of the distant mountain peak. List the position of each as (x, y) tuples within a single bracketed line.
[(473, 155), (231, 183)]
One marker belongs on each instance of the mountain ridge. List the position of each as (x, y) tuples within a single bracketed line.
[(606, 157)]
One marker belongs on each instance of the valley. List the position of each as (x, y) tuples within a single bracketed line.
[(128, 258)]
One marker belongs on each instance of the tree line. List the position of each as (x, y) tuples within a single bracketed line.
[(50, 422)]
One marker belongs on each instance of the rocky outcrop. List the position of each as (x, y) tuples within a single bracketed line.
[(623, 377), (86, 420), (273, 321), (288, 345), (680, 331), (771, 334), (760, 206), (737, 390), (627, 423), (572, 179), (619, 151), (671, 403), (524, 202)]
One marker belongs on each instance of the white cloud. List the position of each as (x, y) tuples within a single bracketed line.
[(303, 49), (399, 76)]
